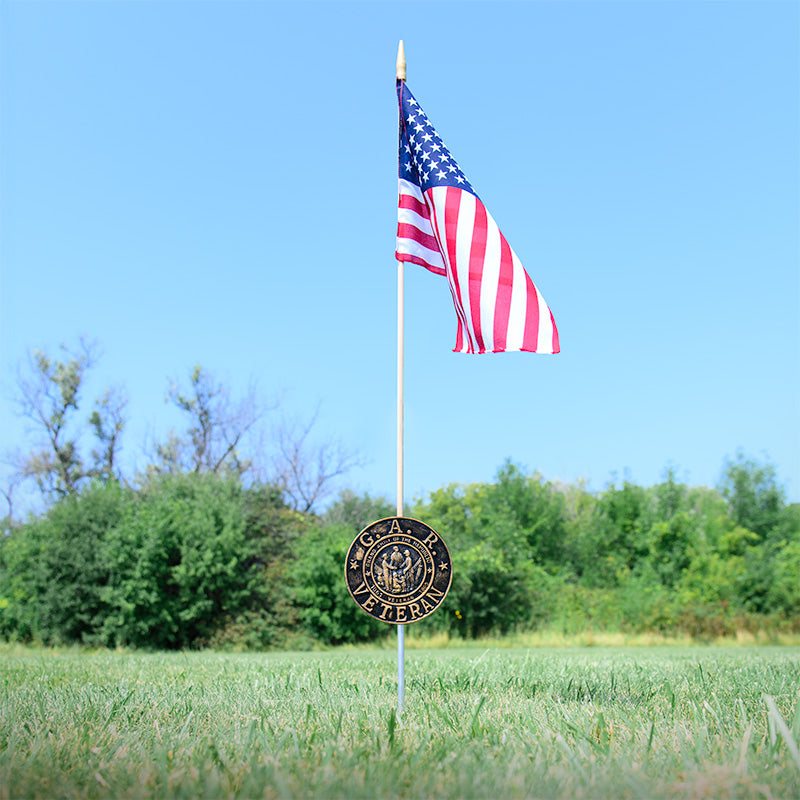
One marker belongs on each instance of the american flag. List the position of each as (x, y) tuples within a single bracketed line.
[(443, 226)]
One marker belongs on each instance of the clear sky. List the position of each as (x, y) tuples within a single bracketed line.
[(215, 183)]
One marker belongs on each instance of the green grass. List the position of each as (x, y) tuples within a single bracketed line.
[(485, 722)]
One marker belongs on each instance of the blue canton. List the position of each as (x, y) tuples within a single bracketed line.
[(424, 159)]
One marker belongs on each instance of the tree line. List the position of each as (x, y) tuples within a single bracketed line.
[(204, 550)]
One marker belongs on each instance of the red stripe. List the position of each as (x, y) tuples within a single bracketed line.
[(420, 261), (450, 272), (502, 303), (477, 257), (530, 337), (451, 209), (556, 343), (410, 202), (459, 337), (407, 231)]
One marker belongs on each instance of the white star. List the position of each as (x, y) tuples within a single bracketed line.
[(419, 127), (433, 165), (410, 118), (441, 174), (436, 147), (451, 168), (412, 101), (427, 137), (460, 178)]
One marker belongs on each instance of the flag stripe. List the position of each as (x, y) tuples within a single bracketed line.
[(462, 233), (531, 331), (422, 257), (505, 290), (491, 276), (450, 207), (412, 232), (412, 203), (477, 261), (409, 217), (555, 345), (416, 239), (519, 304)]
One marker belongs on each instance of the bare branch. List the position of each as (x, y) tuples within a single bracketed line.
[(49, 397), (108, 422), (306, 472), (217, 427)]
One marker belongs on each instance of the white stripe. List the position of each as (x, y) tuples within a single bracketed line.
[(413, 248), (406, 187), (491, 277)]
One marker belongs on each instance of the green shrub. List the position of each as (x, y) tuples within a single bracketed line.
[(325, 608), (179, 563), (55, 569)]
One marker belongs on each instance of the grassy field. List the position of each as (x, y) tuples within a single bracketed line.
[(485, 722)]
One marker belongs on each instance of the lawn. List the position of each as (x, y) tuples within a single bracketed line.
[(479, 722)]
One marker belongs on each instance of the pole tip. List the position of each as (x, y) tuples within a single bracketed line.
[(401, 62)]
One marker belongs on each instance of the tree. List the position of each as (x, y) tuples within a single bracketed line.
[(324, 606), (617, 537), (531, 507), (50, 398), (306, 471), (755, 500), (54, 569), (217, 428), (225, 436), (179, 563), (356, 512)]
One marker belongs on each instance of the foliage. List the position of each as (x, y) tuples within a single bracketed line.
[(50, 393), (55, 571), (169, 566), (176, 562), (755, 500), (326, 610), (491, 594), (357, 511), (198, 559)]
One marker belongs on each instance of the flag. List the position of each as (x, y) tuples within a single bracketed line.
[(442, 225)]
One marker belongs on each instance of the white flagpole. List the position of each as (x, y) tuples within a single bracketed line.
[(400, 628), (401, 655)]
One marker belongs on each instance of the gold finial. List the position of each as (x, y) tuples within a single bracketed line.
[(401, 62)]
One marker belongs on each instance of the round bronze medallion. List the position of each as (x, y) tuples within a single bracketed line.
[(398, 570)]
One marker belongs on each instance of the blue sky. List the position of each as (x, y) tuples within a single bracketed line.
[(215, 183)]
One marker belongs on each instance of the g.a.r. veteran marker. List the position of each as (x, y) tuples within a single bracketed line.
[(398, 570)]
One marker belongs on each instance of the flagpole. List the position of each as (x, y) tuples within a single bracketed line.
[(401, 644)]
